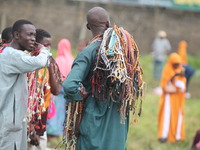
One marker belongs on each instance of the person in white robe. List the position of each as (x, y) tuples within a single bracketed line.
[(14, 64)]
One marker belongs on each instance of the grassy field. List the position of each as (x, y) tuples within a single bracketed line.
[(143, 135)]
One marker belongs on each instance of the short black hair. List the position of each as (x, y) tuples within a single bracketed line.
[(17, 25), (6, 35), (40, 34)]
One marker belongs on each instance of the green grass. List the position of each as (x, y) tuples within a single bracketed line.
[(143, 134), (194, 61), (54, 51)]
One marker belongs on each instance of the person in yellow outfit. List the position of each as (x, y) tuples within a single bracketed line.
[(189, 71), (171, 103), (182, 51)]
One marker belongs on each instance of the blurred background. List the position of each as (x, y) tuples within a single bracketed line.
[(180, 19), (142, 18)]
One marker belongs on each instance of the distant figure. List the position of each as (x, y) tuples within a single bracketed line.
[(171, 104), (6, 37), (64, 57), (55, 122), (189, 71), (161, 48)]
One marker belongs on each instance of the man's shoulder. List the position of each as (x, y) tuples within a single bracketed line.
[(91, 47), (89, 51), (10, 50)]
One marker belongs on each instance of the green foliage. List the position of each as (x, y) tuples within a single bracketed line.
[(194, 61), (54, 52)]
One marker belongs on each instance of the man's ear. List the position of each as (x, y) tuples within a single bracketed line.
[(88, 26), (107, 24), (16, 35)]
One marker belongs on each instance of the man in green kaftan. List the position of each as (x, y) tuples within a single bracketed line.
[(100, 128)]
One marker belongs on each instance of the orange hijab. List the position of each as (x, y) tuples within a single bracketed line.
[(182, 51), (169, 71)]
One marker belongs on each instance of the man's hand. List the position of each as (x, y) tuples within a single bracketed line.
[(35, 139), (38, 46), (83, 91)]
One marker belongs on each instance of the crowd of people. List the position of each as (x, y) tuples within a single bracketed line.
[(87, 101)]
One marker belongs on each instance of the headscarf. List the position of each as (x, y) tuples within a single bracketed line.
[(64, 57), (182, 51), (169, 71)]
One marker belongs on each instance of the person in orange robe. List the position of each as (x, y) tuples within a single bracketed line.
[(189, 71), (182, 51), (171, 103)]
